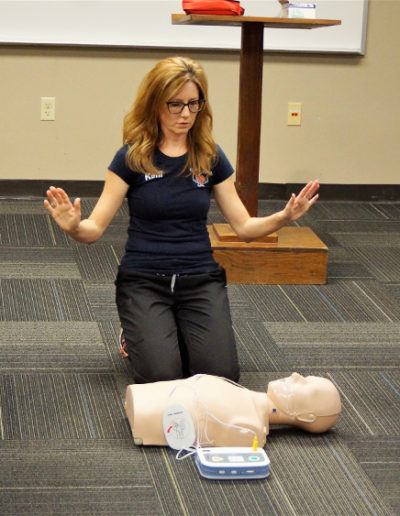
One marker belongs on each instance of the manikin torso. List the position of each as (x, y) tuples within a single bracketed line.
[(206, 398)]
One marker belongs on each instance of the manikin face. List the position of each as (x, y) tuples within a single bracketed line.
[(297, 396), (180, 124)]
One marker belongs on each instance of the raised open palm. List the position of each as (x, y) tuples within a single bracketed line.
[(66, 214), (301, 203)]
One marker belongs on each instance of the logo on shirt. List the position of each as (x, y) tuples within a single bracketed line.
[(150, 177), (200, 180)]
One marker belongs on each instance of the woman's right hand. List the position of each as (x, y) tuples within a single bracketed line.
[(66, 214)]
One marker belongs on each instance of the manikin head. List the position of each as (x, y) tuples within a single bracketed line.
[(311, 403)]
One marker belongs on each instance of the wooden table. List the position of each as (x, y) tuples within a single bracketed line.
[(250, 89)]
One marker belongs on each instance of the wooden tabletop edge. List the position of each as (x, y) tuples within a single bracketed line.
[(181, 18)]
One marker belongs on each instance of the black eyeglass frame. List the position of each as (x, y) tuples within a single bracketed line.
[(201, 103)]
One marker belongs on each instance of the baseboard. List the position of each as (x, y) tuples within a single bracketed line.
[(38, 187), (328, 192), (332, 192)]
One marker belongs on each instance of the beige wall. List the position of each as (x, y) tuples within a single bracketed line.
[(349, 133)]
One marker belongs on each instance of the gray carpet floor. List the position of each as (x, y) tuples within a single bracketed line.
[(65, 445)]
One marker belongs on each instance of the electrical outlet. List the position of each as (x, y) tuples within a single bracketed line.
[(294, 113), (48, 108)]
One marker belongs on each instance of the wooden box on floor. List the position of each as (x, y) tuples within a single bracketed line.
[(291, 256)]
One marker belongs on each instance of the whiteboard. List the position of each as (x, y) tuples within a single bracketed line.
[(147, 23)]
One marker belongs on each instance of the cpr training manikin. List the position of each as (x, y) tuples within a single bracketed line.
[(227, 414)]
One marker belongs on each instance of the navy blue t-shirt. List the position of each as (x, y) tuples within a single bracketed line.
[(167, 232)]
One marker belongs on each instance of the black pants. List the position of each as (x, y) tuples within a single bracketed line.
[(176, 326)]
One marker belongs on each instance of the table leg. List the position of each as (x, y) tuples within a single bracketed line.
[(250, 100)]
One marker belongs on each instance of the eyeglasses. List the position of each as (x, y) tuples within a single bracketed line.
[(175, 108)]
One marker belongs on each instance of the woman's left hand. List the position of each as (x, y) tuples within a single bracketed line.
[(299, 204)]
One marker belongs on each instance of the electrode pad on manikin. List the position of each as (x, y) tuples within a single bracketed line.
[(178, 427)]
